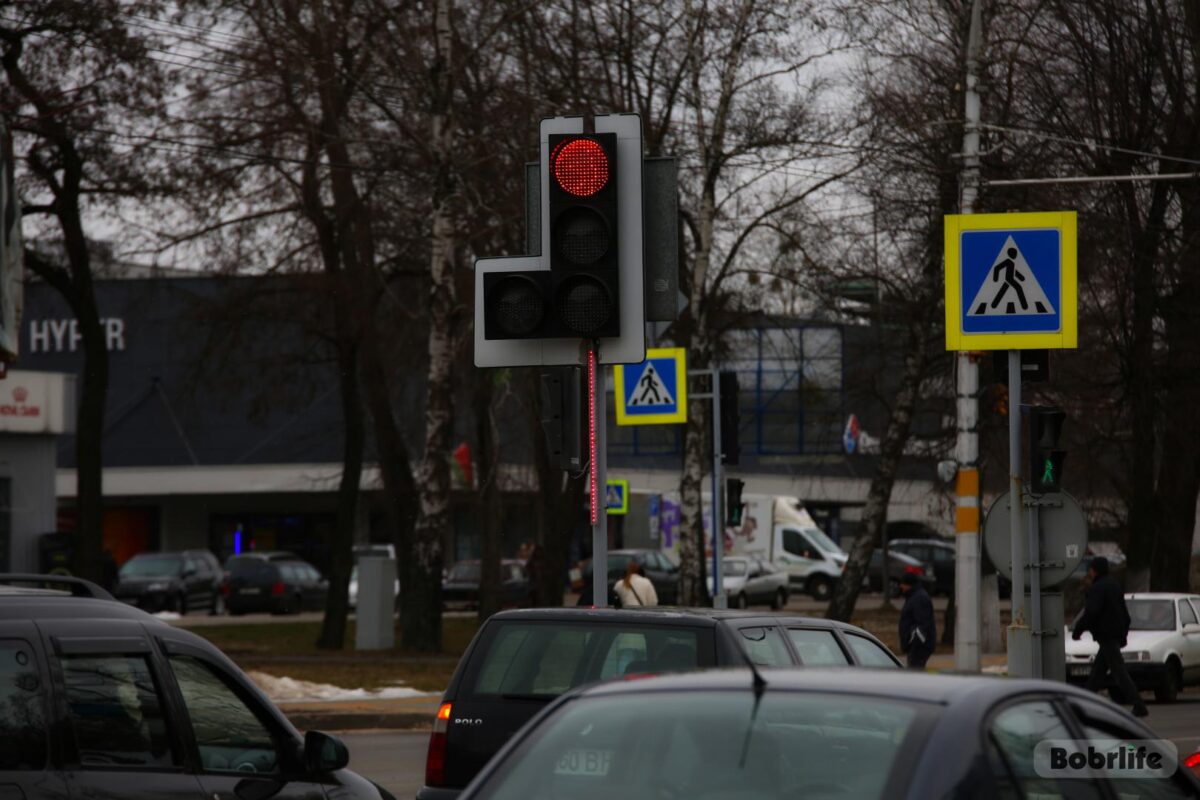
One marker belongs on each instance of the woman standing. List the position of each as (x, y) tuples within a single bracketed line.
[(635, 590)]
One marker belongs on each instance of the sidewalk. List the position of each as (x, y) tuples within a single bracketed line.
[(945, 661), (407, 713)]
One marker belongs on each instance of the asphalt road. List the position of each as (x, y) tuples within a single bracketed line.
[(396, 759)]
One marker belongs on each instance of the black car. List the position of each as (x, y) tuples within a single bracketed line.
[(655, 566), (98, 699), (814, 734), (181, 582), (521, 660), (278, 582), (899, 564), (935, 553), (460, 590)]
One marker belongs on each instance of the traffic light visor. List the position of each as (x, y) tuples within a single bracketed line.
[(580, 167)]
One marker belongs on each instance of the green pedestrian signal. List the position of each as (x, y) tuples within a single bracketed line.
[(1048, 471), (733, 502), (1045, 459)]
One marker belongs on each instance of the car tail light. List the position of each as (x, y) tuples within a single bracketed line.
[(435, 759), (911, 570), (1192, 762), (278, 588), (225, 588)]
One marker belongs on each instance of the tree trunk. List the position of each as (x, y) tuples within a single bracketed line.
[(561, 498), (490, 511), (422, 619), (89, 435), (692, 587), (874, 517)]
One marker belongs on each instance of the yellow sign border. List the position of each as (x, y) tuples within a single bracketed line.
[(680, 415), (624, 507), (1067, 337)]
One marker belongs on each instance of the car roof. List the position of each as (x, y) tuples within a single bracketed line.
[(666, 615), (1160, 596), (936, 542), (42, 604), (884, 683)]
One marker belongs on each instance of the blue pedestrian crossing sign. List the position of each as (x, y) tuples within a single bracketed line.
[(616, 497), (655, 391), (1011, 281)]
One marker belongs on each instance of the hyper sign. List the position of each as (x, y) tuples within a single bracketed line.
[(1011, 281)]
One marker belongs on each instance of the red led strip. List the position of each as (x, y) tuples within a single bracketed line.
[(595, 492), (581, 167)]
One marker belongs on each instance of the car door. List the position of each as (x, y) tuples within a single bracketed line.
[(758, 582), (195, 579), (1189, 641), (29, 766), (239, 746), (119, 738)]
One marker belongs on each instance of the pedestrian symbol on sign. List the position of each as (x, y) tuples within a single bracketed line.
[(1010, 287), (651, 391)]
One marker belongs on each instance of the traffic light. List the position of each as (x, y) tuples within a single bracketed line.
[(730, 418), (1045, 459), (733, 502), (562, 417), (579, 297)]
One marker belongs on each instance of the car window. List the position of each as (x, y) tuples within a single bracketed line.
[(313, 574), (795, 543), (1151, 615), (1186, 614), (250, 570), (22, 718), (545, 659), (116, 711), (817, 648), (229, 735), (1012, 736), (290, 573), (1106, 737), (868, 653), (765, 647)]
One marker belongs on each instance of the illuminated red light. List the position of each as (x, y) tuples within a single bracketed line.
[(580, 167), (595, 492)]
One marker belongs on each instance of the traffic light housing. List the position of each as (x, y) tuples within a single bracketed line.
[(1045, 457), (562, 417), (731, 418), (733, 502)]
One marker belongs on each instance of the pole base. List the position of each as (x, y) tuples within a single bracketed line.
[(1020, 651)]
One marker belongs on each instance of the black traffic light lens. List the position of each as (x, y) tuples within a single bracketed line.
[(517, 305), (583, 304), (582, 236)]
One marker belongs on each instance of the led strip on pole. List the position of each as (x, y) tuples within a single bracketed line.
[(591, 356)]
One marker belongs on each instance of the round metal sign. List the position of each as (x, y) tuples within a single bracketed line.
[(1062, 534)]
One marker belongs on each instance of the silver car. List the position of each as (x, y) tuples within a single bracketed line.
[(751, 581)]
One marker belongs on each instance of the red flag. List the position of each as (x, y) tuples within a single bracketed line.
[(462, 455)]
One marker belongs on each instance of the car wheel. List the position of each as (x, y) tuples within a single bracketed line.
[(1167, 689), (218, 604), (820, 587), (780, 599), (740, 600)]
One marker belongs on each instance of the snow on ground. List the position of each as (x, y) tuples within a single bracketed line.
[(293, 690), (168, 615)]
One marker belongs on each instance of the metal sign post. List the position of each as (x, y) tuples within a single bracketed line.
[(1019, 640), (598, 455), (719, 599)]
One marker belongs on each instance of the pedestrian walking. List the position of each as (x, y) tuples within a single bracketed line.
[(1106, 617), (918, 630), (635, 590)]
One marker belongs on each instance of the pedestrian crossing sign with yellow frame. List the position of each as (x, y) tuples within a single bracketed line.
[(653, 392), (1011, 281)]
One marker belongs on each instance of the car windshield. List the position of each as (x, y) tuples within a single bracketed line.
[(824, 542), (735, 569), (465, 572), (710, 745), (250, 569), (152, 567), (1151, 615)]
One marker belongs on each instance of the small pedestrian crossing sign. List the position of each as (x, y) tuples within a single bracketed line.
[(655, 391), (616, 497), (1011, 281)]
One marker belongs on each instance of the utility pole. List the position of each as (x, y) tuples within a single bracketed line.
[(967, 516)]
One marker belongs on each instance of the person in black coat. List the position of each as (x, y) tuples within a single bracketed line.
[(1106, 616), (918, 630)]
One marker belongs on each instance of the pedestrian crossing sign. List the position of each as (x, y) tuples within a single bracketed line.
[(1011, 281), (616, 497), (653, 392)]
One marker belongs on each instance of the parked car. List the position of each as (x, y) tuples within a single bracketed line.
[(278, 582), (519, 661), (189, 580), (1192, 762), (1163, 650), (104, 700), (815, 734), (899, 564), (460, 589), (752, 581), (659, 569), (932, 553)]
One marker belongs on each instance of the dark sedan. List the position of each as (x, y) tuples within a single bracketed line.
[(815, 734), (935, 553), (178, 582), (659, 569), (899, 564), (460, 590), (276, 582)]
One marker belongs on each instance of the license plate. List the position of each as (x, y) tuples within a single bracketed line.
[(584, 763), (252, 590), (1081, 670)]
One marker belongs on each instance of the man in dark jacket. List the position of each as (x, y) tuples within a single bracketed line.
[(918, 631), (1107, 618)]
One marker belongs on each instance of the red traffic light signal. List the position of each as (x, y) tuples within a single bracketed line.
[(580, 166)]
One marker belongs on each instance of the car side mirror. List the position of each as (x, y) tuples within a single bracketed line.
[(324, 753)]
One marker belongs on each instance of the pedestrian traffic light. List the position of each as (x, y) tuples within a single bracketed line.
[(730, 418), (1045, 459), (733, 502)]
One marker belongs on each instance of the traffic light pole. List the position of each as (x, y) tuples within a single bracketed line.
[(598, 454), (719, 599), (1019, 638)]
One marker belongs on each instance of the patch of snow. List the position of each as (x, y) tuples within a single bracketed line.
[(167, 615), (292, 690), (999, 669)]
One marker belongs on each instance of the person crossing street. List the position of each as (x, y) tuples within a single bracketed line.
[(1106, 617)]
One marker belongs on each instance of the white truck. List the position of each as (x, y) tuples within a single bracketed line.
[(778, 529)]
